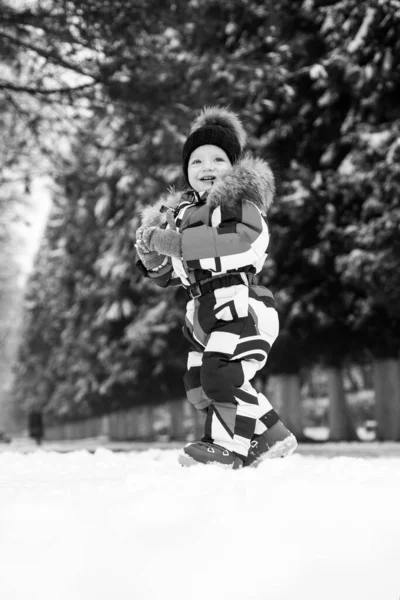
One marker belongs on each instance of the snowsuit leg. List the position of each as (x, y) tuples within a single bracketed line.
[(194, 391), (229, 352)]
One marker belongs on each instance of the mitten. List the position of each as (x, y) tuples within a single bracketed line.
[(150, 259), (139, 241), (163, 241)]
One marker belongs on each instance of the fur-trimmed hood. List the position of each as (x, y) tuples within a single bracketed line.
[(154, 216), (249, 179)]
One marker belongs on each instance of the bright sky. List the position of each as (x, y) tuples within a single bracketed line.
[(138, 526), (28, 233)]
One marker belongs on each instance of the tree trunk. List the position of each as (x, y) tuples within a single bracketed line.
[(145, 422), (105, 426), (177, 414), (286, 399), (11, 420), (130, 424), (341, 427), (386, 376), (367, 374)]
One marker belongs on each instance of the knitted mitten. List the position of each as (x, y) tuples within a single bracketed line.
[(150, 258), (163, 241)]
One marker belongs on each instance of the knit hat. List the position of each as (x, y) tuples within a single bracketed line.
[(217, 126)]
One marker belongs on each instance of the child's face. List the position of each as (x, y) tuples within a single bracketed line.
[(206, 165)]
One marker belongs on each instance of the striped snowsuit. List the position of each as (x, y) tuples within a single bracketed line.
[(228, 354), (232, 327)]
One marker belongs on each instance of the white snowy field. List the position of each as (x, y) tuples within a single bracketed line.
[(138, 526)]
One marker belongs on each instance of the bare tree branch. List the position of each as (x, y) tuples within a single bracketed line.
[(5, 85), (48, 54)]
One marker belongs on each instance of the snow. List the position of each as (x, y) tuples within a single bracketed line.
[(347, 167), (318, 71), (362, 33), (136, 525), (376, 139)]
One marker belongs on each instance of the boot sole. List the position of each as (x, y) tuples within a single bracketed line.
[(279, 450), (187, 461)]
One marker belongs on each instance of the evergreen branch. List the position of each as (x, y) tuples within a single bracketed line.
[(355, 44)]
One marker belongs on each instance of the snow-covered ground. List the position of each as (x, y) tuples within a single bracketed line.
[(136, 525)]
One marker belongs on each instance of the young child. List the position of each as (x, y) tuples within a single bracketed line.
[(213, 240)]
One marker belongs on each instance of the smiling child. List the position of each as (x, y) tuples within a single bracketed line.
[(214, 241)]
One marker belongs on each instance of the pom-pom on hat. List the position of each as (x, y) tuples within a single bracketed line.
[(217, 126)]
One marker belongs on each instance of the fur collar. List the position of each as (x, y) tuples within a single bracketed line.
[(249, 179), (152, 215)]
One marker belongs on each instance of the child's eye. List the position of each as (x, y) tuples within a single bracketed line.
[(196, 160), (219, 158)]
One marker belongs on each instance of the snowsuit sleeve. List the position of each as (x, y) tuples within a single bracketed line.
[(238, 237)]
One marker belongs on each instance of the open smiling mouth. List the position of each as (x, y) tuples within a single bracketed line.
[(208, 178)]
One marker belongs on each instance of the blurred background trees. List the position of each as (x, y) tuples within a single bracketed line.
[(102, 96)]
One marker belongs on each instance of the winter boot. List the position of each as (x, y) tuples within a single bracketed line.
[(209, 453), (276, 442)]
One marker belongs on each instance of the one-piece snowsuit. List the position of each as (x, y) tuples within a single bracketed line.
[(230, 321)]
